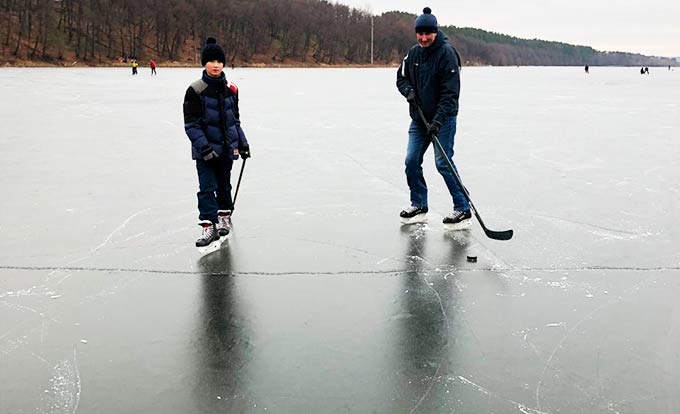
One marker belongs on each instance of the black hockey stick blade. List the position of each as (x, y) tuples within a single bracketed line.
[(498, 235)]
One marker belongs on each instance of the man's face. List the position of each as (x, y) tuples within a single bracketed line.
[(425, 39), (214, 68)]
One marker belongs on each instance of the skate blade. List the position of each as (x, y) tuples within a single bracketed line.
[(212, 247), (458, 226), (419, 218)]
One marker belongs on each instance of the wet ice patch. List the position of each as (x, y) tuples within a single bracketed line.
[(63, 393)]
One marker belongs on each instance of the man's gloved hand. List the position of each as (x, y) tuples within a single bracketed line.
[(434, 129), (208, 154), (411, 96), (244, 152)]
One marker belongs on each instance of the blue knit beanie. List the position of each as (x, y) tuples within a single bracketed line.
[(212, 51), (426, 22)]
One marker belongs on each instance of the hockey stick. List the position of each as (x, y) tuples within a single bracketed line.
[(238, 184), (496, 235)]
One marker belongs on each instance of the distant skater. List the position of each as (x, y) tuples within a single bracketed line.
[(134, 65), (587, 69), (152, 65), (642, 71), (213, 125), (646, 70), (429, 78)]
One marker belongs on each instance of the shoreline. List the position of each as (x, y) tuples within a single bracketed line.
[(76, 64)]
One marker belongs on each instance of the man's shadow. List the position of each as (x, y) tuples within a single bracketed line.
[(426, 331), (221, 339)]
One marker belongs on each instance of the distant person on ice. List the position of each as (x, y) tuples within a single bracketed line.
[(429, 76), (212, 123), (134, 65), (587, 69), (152, 65)]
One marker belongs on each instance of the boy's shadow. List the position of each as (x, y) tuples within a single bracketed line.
[(222, 338)]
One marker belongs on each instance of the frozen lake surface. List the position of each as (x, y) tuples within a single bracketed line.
[(321, 302)]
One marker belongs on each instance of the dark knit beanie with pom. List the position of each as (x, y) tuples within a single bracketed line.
[(426, 22), (212, 51)]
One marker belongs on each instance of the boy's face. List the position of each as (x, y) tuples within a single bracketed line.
[(214, 68)]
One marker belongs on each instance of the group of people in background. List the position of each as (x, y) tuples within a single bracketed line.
[(134, 64), (643, 70)]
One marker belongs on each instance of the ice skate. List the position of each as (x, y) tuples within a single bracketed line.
[(224, 222), (414, 215), (459, 220), (210, 239)]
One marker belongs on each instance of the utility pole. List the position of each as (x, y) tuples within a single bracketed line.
[(371, 39)]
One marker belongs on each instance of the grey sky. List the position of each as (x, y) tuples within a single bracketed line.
[(651, 27)]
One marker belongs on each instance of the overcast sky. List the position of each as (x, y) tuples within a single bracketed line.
[(650, 27)]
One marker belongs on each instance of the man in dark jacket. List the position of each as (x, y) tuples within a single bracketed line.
[(429, 77), (212, 123)]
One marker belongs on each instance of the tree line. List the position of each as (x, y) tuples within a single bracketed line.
[(483, 47), (313, 32)]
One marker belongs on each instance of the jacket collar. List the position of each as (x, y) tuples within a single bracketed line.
[(213, 81), (440, 40)]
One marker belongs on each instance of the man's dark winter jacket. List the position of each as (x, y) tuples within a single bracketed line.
[(211, 118), (434, 74)]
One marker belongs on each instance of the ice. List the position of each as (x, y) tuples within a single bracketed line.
[(320, 301)]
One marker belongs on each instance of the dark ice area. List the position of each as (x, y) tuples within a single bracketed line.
[(320, 301)]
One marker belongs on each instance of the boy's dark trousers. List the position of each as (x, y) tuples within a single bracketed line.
[(214, 183)]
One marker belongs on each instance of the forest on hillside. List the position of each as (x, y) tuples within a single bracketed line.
[(253, 32)]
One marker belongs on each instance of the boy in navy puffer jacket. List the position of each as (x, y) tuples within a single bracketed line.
[(212, 123)]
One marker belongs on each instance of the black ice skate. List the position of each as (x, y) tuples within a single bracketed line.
[(413, 215), (459, 220)]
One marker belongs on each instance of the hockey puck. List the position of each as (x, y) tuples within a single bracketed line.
[(472, 259)]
